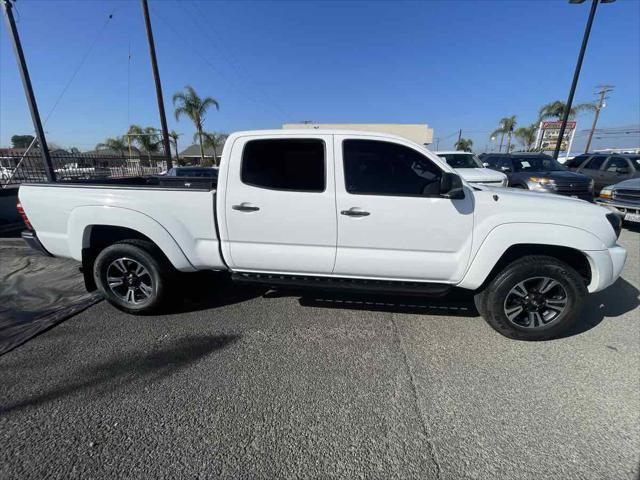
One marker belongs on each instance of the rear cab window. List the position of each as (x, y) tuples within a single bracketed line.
[(285, 164)]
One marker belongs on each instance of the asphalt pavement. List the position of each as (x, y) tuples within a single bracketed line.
[(243, 383)]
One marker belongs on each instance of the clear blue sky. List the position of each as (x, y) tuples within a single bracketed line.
[(451, 64)]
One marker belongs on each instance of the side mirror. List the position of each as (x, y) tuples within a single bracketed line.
[(451, 186), (485, 164)]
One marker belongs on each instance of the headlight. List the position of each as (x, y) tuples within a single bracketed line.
[(606, 192), (505, 181), (541, 183)]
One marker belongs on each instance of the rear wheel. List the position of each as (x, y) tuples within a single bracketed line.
[(534, 298), (132, 275)]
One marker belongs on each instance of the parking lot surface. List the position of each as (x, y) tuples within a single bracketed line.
[(243, 383)]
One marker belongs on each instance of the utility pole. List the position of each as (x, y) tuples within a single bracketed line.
[(459, 137), (28, 90), (603, 91), (156, 77)]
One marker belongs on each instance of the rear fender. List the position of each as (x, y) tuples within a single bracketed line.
[(82, 219)]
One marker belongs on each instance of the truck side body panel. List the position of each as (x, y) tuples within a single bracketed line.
[(180, 222)]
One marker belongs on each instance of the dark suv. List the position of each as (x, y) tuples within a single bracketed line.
[(606, 168), (540, 173)]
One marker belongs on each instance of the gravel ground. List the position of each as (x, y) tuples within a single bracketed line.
[(240, 383)]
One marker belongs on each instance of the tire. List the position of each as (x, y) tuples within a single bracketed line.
[(143, 272), (551, 307)]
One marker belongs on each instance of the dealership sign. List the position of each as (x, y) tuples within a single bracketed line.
[(548, 134)]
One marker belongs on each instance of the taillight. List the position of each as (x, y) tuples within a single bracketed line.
[(24, 216)]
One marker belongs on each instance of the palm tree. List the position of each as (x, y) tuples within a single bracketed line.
[(527, 136), (556, 110), (146, 138), (190, 104), (464, 144), (117, 144), (507, 124), (212, 140), (173, 135)]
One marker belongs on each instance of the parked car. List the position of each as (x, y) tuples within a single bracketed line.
[(606, 169), (469, 166), (540, 173), (337, 209), (623, 198), (193, 172)]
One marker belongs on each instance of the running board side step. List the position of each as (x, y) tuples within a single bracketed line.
[(275, 280)]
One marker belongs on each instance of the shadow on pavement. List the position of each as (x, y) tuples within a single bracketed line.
[(132, 368), (456, 303), (614, 301), (204, 290)]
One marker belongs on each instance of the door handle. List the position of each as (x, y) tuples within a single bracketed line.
[(352, 212), (245, 207)]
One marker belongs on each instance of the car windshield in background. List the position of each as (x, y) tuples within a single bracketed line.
[(635, 159), (196, 172), (539, 163), (461, 160)]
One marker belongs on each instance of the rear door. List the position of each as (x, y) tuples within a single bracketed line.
[(392, 222), (280, 205)]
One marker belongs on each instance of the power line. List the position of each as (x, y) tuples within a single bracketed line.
[(236, 66), (79, 66), (219, 72)]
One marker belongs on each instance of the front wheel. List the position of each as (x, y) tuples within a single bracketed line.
[(534, 298), (131, 276)]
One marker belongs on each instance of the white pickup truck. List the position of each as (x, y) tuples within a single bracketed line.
[(336, 209)]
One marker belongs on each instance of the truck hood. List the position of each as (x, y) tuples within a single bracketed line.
[(480, 174), (631, 184)]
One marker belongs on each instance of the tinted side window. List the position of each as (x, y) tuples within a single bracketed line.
[(381, 168), (615, 163), (284, 164), (595, 163), (576, 161), (492, 161)]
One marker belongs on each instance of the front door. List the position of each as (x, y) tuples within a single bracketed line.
[(392, 222), (280, 205)]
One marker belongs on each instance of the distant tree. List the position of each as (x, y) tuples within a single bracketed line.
[(464, 145), (556, 110), (22, 141), (212, 140), (507, 125), (173, 138), (195, 108), (117, 144), (147, 139), (526, 136), (74, 150)]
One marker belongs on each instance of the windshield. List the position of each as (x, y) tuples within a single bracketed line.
[(461, 160), (539, 163), (196, 172), (635, 159)]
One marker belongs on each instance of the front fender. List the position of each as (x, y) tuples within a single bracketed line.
[(496, 243), (81, 219)]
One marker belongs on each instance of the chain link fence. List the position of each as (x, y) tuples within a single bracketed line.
[(16, 167)]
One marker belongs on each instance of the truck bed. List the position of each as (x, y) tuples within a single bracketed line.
[(180, 219)]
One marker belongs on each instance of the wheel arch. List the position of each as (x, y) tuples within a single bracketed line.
[(91, 229), (508, 242)]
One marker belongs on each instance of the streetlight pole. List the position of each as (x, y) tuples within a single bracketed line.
[(576, 74), (156, 77), (28, 90)]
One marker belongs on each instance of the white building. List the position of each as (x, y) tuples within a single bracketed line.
[(416, 132)]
